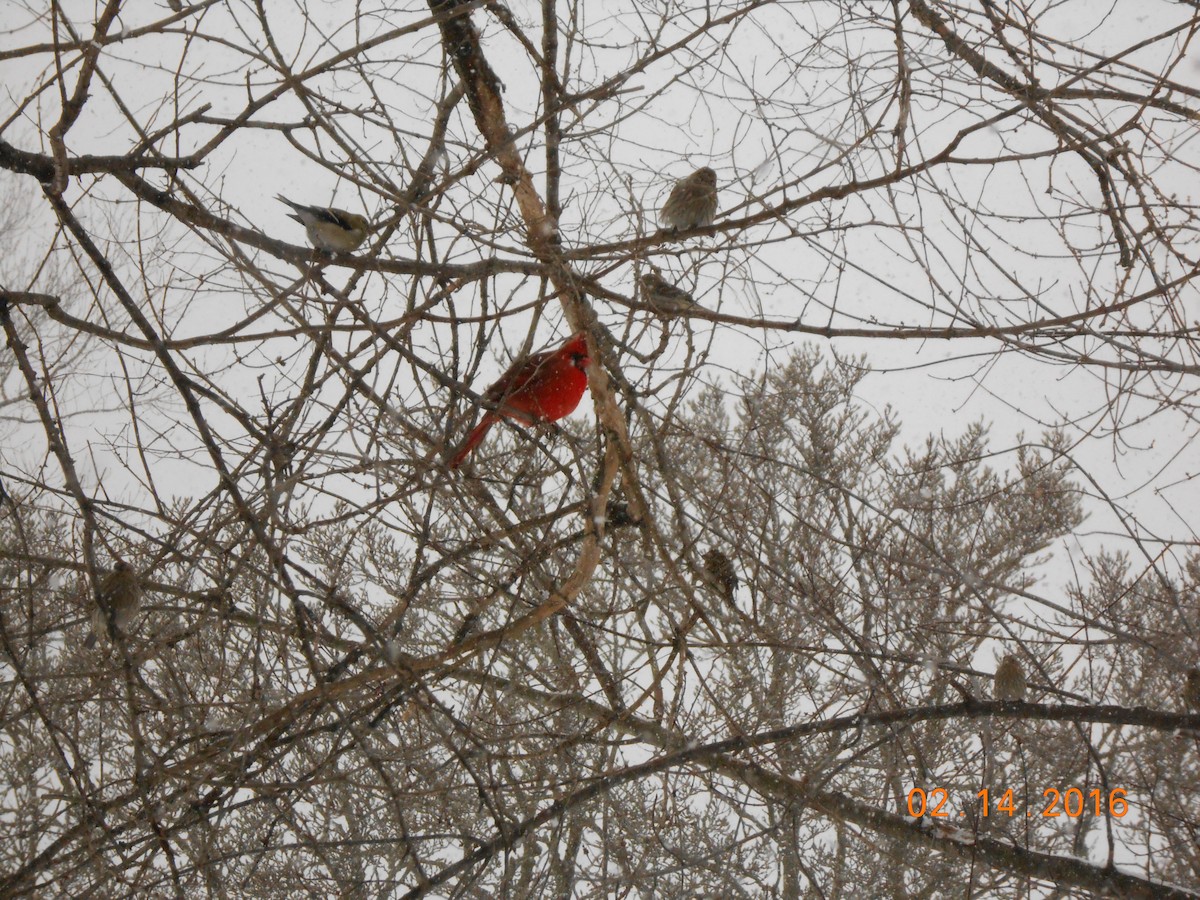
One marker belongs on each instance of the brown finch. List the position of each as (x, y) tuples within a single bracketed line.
[(1009, 679), (120, 599), (693, 201), (662, 296), (1191, 689), (330, 229), (721, 573), (280, 455)]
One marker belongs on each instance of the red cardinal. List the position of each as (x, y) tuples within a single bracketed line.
[(543, 388)]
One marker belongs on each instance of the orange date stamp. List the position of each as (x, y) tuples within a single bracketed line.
[(1071, 803)]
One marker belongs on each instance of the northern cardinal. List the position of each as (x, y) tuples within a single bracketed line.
[(543, 388), (328, 228), (1009, 680), (692, 202)]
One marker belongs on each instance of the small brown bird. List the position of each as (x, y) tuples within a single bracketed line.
[(663, 297), (1009, 679), (1191, 689), (618, 515), (721, 573), (120, 601), (692, 202), (280, 454), (328, 228)]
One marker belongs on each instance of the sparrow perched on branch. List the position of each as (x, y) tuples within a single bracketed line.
[(120, 600), (662, 296), (692, 202), (541, 388), (1009, 680), (721, 573), (328, 228), (1191, 689)]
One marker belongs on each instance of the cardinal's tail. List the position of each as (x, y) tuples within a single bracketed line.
[(473, 439)]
